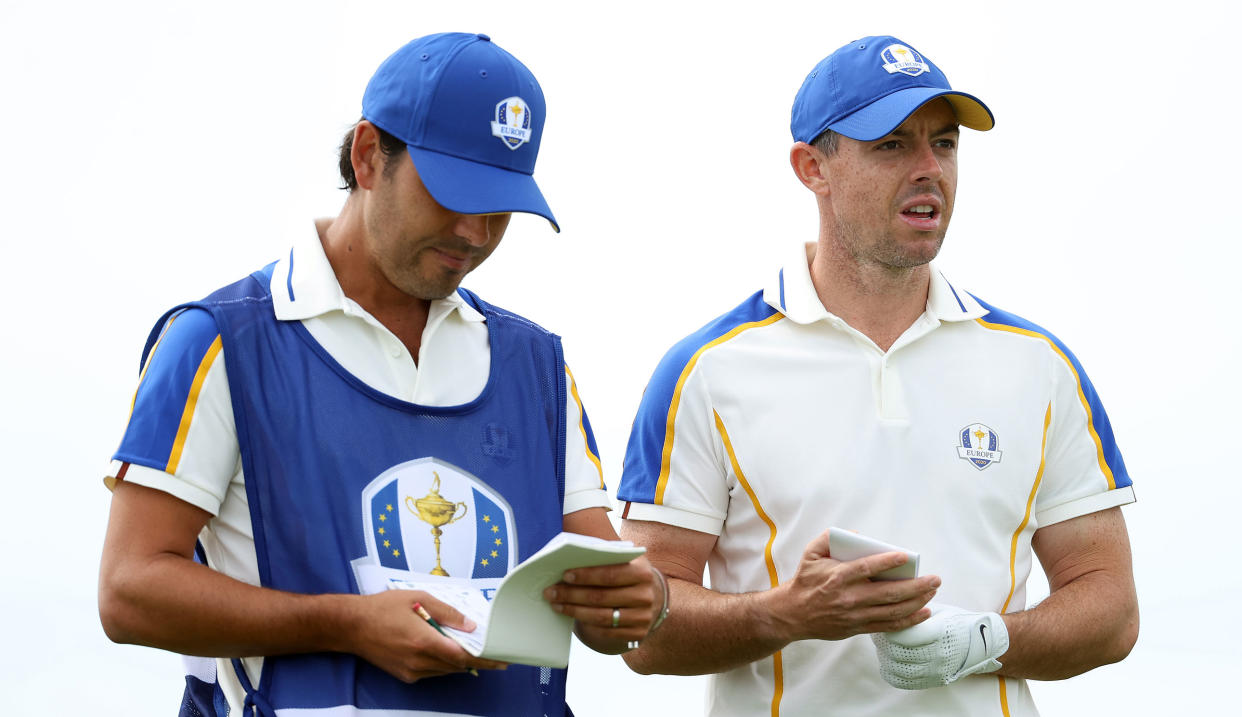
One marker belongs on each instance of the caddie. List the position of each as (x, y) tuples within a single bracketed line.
[(863, 389), (348, 414)]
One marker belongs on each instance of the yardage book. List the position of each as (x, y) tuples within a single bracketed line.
[(515, 623), (848, 545)]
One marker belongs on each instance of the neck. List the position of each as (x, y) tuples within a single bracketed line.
[(345, 243), (879, 301)]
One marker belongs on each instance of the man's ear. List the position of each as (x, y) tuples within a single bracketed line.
[(365, 155), (811, 166)]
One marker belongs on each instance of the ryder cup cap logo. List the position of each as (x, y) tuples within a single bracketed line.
[(512, 122), (978, 444), (899, 58)]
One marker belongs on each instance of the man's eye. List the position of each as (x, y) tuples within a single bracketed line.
[(947, 143), (891, 144)]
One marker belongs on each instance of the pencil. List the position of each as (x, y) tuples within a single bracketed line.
[(422, 612)]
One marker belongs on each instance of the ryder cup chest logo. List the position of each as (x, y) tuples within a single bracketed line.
[(430, 517), (978, 444), (512, 122), (899, 58)]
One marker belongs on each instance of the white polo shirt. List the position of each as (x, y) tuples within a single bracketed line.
[(778, 420), (204, 461)]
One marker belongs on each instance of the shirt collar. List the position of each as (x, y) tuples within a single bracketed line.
[(304, 286), (793, 294)]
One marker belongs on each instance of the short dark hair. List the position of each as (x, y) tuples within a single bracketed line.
[(390, 146), (827, 142)]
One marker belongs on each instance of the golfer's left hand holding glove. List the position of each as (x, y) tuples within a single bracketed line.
[(945, 647)]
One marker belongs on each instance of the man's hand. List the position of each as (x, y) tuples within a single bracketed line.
[(389, 634), (831, 600), (951, 644), (612, 605)]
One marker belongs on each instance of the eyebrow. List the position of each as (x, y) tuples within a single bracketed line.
[(950, 128)]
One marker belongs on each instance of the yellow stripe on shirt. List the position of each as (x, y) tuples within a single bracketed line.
[(666, 457), (187, 415), (573, 389), (1013, 543), (773, 579), (1082, 398), (1026, 518)]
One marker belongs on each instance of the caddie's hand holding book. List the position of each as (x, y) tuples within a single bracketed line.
[(515, 624)]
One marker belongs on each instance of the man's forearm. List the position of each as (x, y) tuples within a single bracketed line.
[(176, 604), (1088, 623), (1091, 616), (709, 632)]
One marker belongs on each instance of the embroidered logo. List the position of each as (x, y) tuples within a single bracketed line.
[(496, 444), (512, 122), (899, 58), (429, 517), (978, 444)]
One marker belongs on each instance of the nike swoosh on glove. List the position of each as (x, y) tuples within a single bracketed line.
[(945, 647)]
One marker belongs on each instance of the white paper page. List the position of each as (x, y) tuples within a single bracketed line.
[(468, 599)]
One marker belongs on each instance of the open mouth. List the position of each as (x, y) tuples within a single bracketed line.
[(920, 211)]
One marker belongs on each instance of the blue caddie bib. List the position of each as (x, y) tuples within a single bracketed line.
[(337, 472)]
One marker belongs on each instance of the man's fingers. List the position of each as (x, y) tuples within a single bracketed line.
[(876, 564), (887, 591), (618, 575), (482, 664), (898, 623), (636, 596), (602, 616), (817, 548), (443, 613)]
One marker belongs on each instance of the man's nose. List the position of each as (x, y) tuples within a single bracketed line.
[(474, 228), (926, 166)]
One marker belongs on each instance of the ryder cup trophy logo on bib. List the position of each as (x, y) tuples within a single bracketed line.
[(430, 517), (979, 444), (512, 123), (899, 58)]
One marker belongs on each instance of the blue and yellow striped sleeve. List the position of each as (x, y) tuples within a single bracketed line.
[(584, 473), (673, 437), (168, 392), (1085, 469)]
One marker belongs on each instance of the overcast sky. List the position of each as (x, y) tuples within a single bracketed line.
[(157, 150)]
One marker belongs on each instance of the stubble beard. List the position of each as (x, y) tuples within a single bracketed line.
[(417, 279), (881, 248)]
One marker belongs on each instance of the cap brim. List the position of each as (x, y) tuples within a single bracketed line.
[(467, 187), (887, 113)]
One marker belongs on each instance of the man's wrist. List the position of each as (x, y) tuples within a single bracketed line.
[(767, 612), (338, 619)]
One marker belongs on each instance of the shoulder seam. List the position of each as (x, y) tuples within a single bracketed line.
[(674, 404), (1047, 338)]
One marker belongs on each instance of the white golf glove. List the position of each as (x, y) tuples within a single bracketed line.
[(945, 647)]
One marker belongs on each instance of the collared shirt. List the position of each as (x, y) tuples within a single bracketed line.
[(779, 420), (194, 406)]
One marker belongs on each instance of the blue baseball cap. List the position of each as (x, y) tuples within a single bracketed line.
[(471, 115), (869, 87)]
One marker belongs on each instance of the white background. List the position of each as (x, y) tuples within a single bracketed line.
[(154, 151)]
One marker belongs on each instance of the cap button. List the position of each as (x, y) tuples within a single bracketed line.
[(484, 38)]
